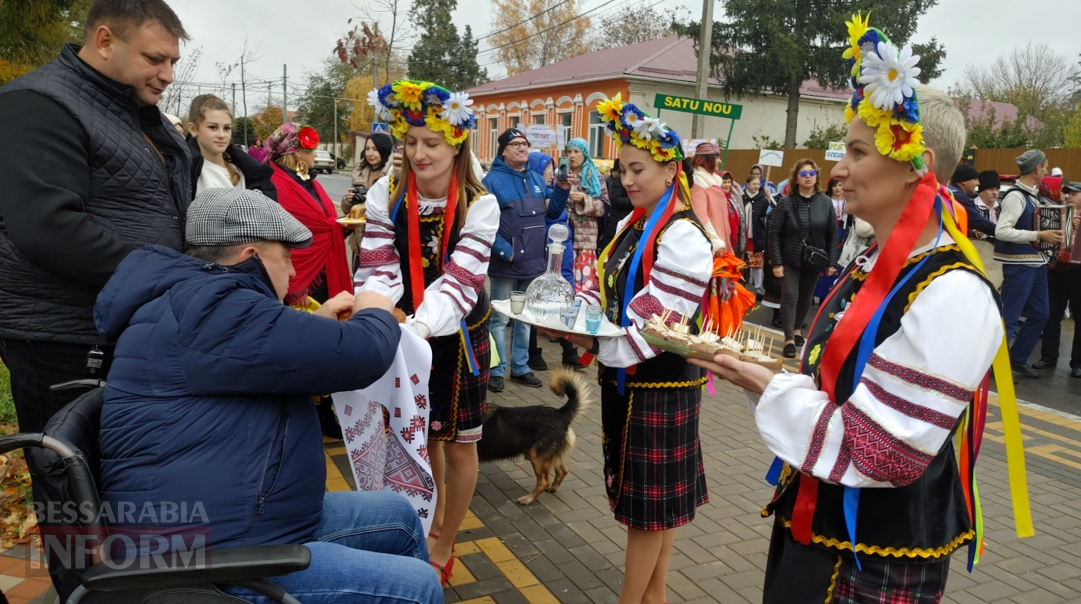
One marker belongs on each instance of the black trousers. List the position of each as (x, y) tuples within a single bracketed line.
[(797, 292), (34, 366), (1063, 288)]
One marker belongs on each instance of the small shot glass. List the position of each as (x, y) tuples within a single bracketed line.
[(593, 319), (517, 302)]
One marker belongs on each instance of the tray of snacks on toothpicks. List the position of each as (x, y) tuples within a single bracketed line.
[(745, 345)]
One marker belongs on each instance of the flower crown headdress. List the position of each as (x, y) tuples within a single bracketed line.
[(884, 81), (414, 103), (628, 124)]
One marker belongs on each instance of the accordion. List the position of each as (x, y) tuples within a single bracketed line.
[(1053, 218)]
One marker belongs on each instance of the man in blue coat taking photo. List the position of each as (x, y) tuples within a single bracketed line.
[(518, 254), (208, 404)]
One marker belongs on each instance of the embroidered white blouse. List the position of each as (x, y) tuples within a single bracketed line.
[(452, 296), (678, 281), (915, 386)]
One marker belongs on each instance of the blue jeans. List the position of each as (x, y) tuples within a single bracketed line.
[(519, 335), (1024, 287), (368, 549)]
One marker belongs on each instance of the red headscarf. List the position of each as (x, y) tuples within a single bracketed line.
[(327, 251)]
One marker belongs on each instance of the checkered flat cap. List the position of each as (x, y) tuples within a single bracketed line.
[(231, 216)]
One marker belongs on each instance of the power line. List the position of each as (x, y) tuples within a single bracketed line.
[(555, 6)]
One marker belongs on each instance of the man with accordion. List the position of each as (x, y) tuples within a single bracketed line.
[(1019, 246)]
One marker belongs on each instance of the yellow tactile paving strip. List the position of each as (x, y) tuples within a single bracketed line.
[(512, 568)]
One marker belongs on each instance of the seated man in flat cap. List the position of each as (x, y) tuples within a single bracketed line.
[(208, 404), (1024, 273)]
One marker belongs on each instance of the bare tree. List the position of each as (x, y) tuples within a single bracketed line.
[(617, 30), (533, 33), (375, 45), (183, 74), (226, 69), (1034, 78)]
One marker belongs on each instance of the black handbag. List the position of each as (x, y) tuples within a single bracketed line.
[(812, 257)]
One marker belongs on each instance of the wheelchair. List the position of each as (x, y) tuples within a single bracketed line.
[(66, 459)]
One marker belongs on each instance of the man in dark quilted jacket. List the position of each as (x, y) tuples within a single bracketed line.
[(99, 173)]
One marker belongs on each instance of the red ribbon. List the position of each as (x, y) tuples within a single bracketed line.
[(416, 267), (856, 317)]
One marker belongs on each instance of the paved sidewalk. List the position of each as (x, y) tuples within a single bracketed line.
[(566, 547), (570, 542)]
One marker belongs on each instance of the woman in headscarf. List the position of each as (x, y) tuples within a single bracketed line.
[(870, 500), (586, 205), (660, 259), (708, 200), (737, 222), (426, 247), (321, 269)]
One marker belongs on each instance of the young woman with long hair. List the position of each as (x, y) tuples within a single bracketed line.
[(427, 245), (216, 161), (659, 259)]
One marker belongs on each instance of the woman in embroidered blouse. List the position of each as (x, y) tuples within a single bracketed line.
[(585, 207), (426, 247), (880, 395), (652, 458)]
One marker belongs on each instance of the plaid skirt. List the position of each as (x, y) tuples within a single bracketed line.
[(808, 574), (653, 468), (457, 396)]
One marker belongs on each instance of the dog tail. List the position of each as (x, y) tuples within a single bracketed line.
[(572, 384)]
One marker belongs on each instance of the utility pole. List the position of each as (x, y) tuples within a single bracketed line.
[(335, 133), (285, 93), (244, 100), (705, 42), (233, 107)]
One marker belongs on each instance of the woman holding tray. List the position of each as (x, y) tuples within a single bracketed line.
[(870, 502), (659, 259), (427, 244)]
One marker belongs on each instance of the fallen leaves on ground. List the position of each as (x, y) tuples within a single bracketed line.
[(18, 524)]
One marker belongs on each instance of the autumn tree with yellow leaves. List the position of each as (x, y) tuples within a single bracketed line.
[(533, 33)]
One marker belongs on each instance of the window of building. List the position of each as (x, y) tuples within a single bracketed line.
[(596, 134), (565, 122), (493, 135), (513, 121), (538, 118)]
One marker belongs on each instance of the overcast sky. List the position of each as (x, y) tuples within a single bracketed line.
[(285, 33)]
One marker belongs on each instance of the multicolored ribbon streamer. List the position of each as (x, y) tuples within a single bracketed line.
[(416, 267)]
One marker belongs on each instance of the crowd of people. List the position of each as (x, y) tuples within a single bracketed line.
[(211, 288)]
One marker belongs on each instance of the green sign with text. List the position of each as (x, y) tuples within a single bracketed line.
[(700, 106)]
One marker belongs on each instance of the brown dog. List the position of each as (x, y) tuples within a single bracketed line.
[(540, 433)]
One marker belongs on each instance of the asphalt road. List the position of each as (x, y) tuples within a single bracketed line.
[(335, 185)]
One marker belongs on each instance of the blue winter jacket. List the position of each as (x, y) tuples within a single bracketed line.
[(208, 405), (513, 189), (538, 162)]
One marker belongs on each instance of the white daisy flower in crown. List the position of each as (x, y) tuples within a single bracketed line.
[(381, 110), (890, 77), (646, 127), (457, 109)]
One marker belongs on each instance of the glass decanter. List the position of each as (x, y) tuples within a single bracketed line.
[(550, 294)]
